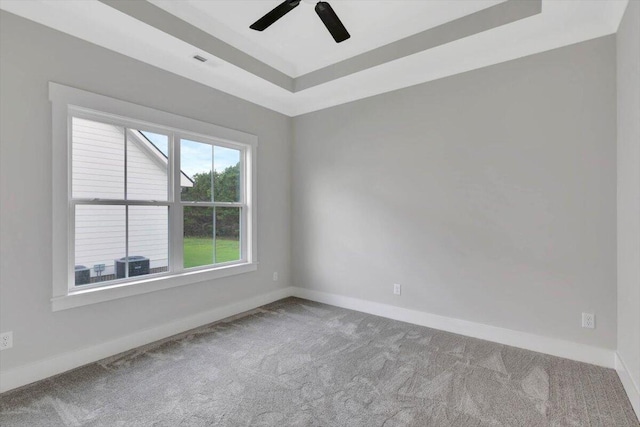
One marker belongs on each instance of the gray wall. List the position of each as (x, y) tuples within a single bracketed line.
[(628, 43), (490, 195), (32, 55)]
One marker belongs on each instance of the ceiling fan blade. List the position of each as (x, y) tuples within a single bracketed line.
[(278, 12), (332, 22)]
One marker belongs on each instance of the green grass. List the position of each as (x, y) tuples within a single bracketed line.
[(198, 251)]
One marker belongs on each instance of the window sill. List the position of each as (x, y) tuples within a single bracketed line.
[(107, 293)]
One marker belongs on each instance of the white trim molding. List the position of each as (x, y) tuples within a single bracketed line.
[(139, 287), (42, 369), (46, 368), (552, 346), (67, 102), (630, 386)]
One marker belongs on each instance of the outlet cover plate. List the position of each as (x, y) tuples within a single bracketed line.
[(588, 320), (6, 340), (397, 289)]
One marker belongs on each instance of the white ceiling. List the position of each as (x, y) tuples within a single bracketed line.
[(299, 43), (561, 23)]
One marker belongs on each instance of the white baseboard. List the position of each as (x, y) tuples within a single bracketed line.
[(553, 346), (630, 386), (36, 371), (27, 374)]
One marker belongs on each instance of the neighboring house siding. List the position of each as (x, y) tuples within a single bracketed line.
[(98, 160), (148, 234), (146, 173), (98, 172), (100, 236)]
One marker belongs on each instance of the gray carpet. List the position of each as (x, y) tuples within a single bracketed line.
[(300, 363)]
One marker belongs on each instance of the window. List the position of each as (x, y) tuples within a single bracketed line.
[(213, 204), (150, 204)]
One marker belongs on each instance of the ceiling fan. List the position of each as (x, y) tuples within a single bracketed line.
[(323, 9)]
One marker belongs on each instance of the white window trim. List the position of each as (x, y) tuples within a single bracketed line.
[(64, 98)]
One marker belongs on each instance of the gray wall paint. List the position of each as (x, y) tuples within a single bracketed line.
[(33, 55), (490, 195), (628, 57)]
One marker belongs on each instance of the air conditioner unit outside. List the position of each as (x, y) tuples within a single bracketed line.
[(83, 275), (138, 266)]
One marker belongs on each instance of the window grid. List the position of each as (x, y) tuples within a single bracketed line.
[(173, 203), (241, 204)]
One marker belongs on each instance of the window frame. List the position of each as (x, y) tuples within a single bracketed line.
[(242, 204), (69, 102)]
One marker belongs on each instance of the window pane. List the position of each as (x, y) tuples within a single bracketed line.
[(227, 234), (226, 175), (97, 160), (147, 166), (99, 241), (160, 142), (196, 163), (148, 240), (198, 236), (200, 246)]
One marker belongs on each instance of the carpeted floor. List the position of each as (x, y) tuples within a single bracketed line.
[(300, 363)]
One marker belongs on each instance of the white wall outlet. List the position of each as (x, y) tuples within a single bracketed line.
[(275, 276), (6, 340), (588, 320), (397, 289)]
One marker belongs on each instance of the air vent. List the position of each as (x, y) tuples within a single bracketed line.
[(200, 58)]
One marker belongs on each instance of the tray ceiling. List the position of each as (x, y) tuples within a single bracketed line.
[(298, 43), (295, 67)]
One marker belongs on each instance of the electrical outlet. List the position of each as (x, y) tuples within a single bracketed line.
[(275, 276), (397, 289), (6, 340), (588, 320)]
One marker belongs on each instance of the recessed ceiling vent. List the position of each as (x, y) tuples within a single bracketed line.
[(200, 58)]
